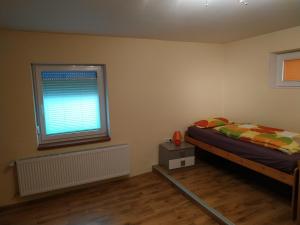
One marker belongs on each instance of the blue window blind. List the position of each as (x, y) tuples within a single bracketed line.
[(70, 101)]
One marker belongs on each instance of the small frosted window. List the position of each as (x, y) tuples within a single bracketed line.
[(285, 69), (291, 70)]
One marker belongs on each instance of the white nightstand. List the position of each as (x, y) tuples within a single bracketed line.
[(172, 156)]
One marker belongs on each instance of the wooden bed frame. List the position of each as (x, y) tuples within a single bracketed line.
[(289, 179)]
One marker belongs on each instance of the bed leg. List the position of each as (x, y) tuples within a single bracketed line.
[(295, 193), (296, 208)]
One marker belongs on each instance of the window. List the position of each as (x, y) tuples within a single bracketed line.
[(287, 69), (291, 70), (71, 104)]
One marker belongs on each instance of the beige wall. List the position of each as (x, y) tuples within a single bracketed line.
[(155, 87), (248, 95)]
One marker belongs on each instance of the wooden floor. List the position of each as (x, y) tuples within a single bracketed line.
[(242, 196), (147, 200)]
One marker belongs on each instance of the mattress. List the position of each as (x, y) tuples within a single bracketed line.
[(267, 156)]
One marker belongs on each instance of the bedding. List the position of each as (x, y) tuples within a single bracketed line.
[(273, 138), (275, 159), (212, 122)]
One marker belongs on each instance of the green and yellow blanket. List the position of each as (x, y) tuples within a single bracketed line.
[(285, 141)]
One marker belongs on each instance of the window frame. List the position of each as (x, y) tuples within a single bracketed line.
[(80, 137), (279, 67)]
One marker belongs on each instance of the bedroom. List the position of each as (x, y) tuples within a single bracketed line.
[(159, 80)]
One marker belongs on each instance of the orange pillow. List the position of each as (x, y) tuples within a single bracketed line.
[(212, 122)]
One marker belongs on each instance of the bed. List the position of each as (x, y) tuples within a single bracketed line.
[(275, 164)]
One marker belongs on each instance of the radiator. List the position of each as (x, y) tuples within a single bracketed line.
[(52, 172)]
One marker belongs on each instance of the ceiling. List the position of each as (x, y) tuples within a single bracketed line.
[(179, 20)]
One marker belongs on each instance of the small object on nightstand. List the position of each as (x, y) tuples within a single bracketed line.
[(177, 138), (172, 156)]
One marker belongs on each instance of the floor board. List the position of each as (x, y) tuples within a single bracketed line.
[(242, 196), (146, 200)]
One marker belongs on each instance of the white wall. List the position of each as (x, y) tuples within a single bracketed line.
[(155, 87), (248, 95)]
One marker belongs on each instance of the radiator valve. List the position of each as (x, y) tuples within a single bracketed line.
[(12, 163)]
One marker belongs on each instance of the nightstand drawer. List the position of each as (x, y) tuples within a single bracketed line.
[(176, 154), (181, 162)]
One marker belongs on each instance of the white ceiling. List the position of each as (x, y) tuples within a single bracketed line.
[(180, 20)]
